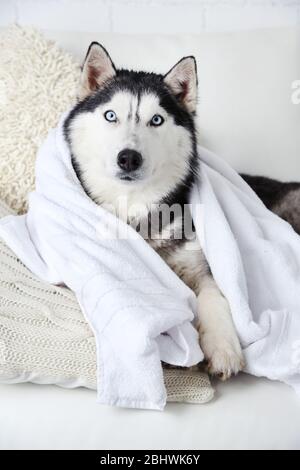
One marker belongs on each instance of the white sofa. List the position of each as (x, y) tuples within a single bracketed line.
[(246, 114)]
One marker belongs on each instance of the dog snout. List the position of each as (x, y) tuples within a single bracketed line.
[(129, 160)]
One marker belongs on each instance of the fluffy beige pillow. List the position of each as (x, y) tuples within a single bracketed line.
[(38, 82)]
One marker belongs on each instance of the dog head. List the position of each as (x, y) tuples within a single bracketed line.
[(133, 133)]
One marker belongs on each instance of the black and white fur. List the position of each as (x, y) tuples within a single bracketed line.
[(121, 149), (281, 198)]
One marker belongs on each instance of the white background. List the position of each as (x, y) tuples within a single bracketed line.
[(161, 16)]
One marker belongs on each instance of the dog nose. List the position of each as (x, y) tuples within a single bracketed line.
[(129, 160)]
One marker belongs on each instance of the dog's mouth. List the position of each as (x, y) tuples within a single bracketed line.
[(129, 178)]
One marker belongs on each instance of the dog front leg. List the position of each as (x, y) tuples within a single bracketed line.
[(218, 337)]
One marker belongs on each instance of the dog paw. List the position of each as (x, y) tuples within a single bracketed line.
[(224, 357), (225, 363)]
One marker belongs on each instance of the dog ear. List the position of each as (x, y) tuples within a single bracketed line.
[(182, 80), (97, 69)]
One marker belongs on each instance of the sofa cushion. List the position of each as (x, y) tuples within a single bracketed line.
[(247, 413)]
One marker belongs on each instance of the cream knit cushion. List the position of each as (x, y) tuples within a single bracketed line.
[(45, 339), (38, 82)]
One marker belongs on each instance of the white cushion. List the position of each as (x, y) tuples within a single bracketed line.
[(247, 413), (245, 83)]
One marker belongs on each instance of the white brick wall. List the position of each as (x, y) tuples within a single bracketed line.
[(157, 16)]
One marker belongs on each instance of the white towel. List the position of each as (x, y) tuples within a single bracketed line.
[(139, 310), (254, 257), (130, 296)]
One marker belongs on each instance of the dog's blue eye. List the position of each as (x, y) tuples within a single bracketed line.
[(110, 116), (157, 120)]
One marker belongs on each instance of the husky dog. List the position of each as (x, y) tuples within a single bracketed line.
[(133, 135)]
